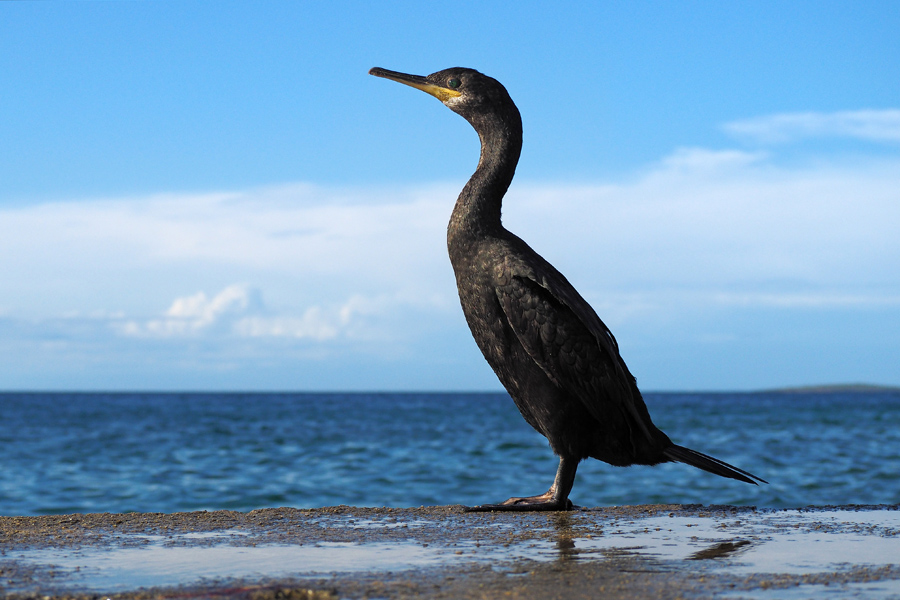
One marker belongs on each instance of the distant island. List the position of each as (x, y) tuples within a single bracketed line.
[(836, 388)]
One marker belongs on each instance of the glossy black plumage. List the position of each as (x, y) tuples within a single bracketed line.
[(553, 354)]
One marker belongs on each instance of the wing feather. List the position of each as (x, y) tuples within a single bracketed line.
[(569, 342)]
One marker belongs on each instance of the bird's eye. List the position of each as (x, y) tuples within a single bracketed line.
[(454, 83)]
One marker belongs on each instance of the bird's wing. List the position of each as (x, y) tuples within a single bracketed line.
[(566, 338)]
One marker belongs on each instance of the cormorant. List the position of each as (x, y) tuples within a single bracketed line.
[(550, 350)]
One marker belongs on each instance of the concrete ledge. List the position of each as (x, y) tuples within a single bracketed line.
[(654, 551)]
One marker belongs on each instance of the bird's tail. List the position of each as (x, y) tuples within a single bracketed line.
[(710, 464)]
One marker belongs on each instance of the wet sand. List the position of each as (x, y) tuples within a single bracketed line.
[(659, 551)]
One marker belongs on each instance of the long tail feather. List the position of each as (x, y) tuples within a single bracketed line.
[(710, 464)]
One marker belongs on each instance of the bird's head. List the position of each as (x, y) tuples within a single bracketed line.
[(464, 91)]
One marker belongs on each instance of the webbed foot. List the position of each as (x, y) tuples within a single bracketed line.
[(531, 503)]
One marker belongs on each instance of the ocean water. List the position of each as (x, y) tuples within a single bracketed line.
[(154, 452)]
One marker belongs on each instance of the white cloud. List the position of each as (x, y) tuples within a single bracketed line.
[(700, 160), (721, 222), (699, 219), (191, 315), (365, 271), (202, 312), (870, 125), (301, 244), (236, 311)]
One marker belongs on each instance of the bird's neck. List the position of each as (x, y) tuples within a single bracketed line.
[(477, 210)]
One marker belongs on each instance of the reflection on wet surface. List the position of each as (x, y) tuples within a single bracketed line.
[(779, 542), (121, 569), (732, 543), (719, 550)]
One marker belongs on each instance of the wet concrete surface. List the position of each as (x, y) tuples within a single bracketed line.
[(659, 551)]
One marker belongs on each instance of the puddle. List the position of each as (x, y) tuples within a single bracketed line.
[(873, 589), (759, 544), (122, 569), (208, 535), (378, 524)]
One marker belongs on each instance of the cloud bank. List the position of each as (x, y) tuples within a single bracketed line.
[(869, 125), (703, 248)]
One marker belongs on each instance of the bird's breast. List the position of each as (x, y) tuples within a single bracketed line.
[(481, 268)]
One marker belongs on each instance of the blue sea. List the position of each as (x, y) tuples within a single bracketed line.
[(167, 452)]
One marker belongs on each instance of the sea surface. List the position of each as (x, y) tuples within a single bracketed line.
[(168, 452)]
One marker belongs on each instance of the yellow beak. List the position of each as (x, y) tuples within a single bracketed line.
[(417, 81)]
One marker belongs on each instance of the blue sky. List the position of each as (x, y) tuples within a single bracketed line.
[(215, 195)]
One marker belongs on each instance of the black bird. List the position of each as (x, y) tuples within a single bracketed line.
[(548, 347)]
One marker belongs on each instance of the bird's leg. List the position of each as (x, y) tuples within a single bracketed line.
[(556, 498)]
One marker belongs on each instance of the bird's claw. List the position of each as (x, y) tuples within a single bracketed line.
[(533, 503)]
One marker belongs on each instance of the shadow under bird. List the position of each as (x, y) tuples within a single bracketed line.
[(553, 354)]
